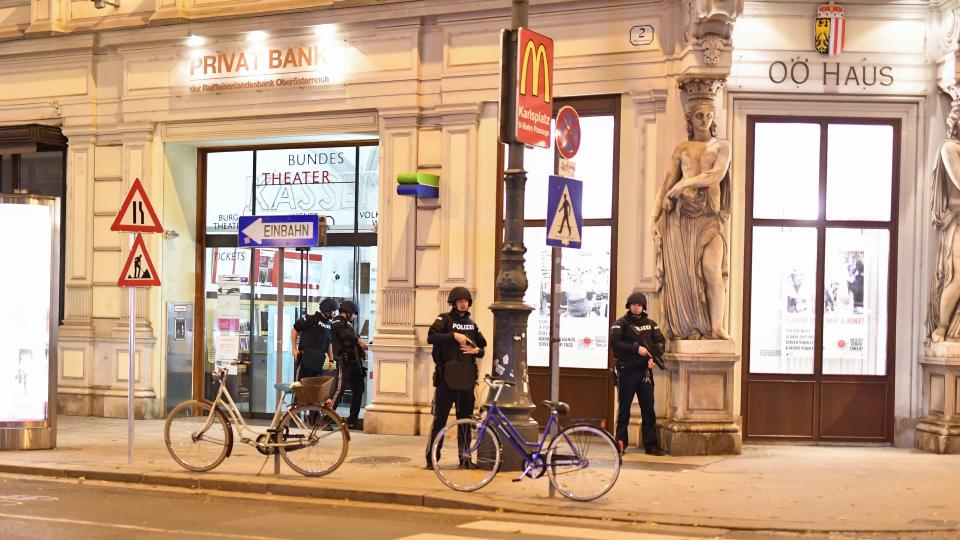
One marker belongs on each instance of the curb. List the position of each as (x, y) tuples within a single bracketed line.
[(271, 486)]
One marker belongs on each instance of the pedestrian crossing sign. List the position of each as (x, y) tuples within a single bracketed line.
[(138, 270), (564, 212)]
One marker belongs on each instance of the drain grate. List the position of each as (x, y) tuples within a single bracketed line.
[(379, 460)]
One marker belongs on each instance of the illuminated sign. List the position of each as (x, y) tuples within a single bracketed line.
[(25, 314), (534, 88), (265, 66)]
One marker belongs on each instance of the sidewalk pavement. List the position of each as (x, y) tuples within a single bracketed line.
[(783, 488)]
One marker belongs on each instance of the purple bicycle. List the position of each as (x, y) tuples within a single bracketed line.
[(582, 461)]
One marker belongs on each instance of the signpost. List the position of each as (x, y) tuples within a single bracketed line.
[(136, 216), (281, 231), (528, 121), (564, 229)]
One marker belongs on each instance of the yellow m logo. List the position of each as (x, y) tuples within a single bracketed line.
[(539, 56)]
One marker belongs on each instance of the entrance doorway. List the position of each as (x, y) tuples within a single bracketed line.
[(239, 296), (588, 275), (820, 279)]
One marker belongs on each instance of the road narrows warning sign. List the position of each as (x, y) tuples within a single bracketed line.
[(138, 270), (136, 213)]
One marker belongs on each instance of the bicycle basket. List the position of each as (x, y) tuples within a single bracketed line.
[(313, 389)]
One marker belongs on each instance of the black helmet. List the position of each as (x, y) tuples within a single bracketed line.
[(348, 306), (637, 298), (459, 293), (328, 305)]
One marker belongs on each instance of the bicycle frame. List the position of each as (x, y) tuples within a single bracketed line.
[(498, 420), (225, 402)]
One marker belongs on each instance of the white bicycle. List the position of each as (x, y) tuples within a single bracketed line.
[(310, 436)]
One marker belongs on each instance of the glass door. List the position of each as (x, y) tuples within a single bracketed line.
[(242, 288), (820, 235)]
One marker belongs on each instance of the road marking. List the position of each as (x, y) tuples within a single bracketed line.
[(138, 528), (554, 531), (431, 536)]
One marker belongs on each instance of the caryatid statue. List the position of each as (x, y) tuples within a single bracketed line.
[(692, 206), (943, 322)]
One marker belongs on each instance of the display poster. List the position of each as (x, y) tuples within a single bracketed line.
[(333, 182), (227, 330), (25, 313), (584, 300)]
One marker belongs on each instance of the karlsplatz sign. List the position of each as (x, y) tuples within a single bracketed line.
[(265, 67)]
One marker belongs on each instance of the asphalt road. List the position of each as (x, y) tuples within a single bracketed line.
[(32, 508)]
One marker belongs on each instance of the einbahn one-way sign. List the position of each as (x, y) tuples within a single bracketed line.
[(287, 231)]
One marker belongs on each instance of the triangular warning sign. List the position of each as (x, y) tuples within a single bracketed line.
[(136, 213), (563, 226), (138, 270)]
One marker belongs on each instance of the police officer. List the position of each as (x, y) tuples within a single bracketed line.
[(311, 337), (457, 343), (349, 351), (638, 345)]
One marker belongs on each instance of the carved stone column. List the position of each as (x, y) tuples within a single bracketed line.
[(700, 415), (939, 430), (76, 347), (401, 369)]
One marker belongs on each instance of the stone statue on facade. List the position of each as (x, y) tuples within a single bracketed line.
[(943, 321), (692, 206)]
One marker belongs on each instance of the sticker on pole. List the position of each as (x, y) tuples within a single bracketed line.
[(138, 270), (136, 213), (564, 212)]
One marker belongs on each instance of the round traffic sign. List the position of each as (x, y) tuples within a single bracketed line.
[(568, 132)]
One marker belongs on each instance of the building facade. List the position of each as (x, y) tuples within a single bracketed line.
[(229, 108)]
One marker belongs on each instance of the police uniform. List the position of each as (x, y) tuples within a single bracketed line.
[(455, 373), (633, 374), (314, 333), (350, 361)]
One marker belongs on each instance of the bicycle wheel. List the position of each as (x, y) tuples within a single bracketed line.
[(464, 458), (192, 446), (315, 440), (583, 462)]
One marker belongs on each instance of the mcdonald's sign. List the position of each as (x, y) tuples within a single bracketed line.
[(534, 89)]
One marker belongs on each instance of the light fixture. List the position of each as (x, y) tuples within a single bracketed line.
[(195, 41), (325, 32), (100, 4), (257, 36)]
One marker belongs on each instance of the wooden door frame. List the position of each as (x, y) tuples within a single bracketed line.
[(599, 105), (821, 224)]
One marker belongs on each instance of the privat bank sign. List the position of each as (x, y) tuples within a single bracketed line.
[(270, 66)]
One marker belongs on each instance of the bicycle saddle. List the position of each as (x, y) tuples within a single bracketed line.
[(559, 406)]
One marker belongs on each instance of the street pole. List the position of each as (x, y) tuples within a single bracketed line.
[(509, 312), (132, 345)]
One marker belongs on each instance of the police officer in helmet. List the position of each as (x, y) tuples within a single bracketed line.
[(457, 344), (311, 337), (638, 345), (349, 351)]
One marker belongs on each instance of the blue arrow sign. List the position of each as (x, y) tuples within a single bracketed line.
[(564, 212), (287, 231)]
